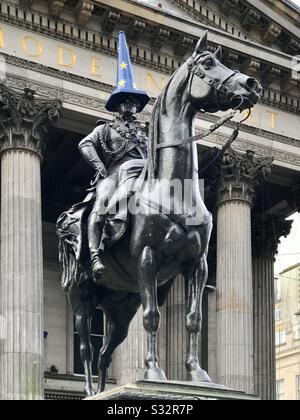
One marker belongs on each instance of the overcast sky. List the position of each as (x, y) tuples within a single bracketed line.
[(289, 250), (297, 2)]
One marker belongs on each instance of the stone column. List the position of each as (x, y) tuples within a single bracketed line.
[(23, 127), (266, 233), (238, 178), (129, 356), (176, 337)]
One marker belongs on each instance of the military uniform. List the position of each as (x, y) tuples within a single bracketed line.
[(112, 144), (106, 149)]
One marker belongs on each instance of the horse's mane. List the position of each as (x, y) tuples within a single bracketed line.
[(160, 108)]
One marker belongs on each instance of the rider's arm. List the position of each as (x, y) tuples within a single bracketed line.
[(87, 148)]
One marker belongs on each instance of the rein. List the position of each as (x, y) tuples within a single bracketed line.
[(191, 139)]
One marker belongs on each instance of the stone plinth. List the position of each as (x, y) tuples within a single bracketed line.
[(171, 390)]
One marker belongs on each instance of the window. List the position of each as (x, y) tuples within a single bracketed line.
[(280, 337), (277, 289), (298, 387), (97, 338), (280, 390), (278, 316)]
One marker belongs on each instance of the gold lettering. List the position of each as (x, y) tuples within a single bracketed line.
[(96, 66), (158, 85), (66, 57), (1, 38), (31, 46), (272, 121)]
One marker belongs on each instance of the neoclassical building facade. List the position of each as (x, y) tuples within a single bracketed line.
[(57, 68)]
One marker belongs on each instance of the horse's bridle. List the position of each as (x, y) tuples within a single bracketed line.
[(220, 88), (219, 85)]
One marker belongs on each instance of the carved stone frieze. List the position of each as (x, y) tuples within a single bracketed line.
[(24, 119), (292, 46), (270, 73), (183, 45), (289, 83), (136, 28), (56, 7), (252, 67), (84, 12), (267, 229), (251, 18), (110, 20), (160, 36), (272, 33), (239, 175), (228, 5), (26, 3)]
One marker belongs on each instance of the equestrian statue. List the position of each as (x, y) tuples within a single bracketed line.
[(119, 259)]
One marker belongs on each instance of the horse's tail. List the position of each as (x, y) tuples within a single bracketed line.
[(71, 273)]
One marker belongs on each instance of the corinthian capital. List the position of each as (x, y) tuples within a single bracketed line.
[(240, 174), (24, 119), (267, 230)]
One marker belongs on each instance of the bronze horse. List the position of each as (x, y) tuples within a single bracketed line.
[(143, 265)]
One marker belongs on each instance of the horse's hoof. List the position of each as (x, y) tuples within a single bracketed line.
[(89, 391), (198, 375), (155, 374)]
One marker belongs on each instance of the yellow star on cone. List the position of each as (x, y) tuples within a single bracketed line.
[(124, 66), (122, 83)]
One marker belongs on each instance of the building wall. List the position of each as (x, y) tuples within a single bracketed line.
[(288, 332), (55, 305)]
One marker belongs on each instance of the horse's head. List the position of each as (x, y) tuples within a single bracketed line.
[(214, 87)]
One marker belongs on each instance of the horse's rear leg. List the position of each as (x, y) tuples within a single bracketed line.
[(119, 314), (84, 310), (196, 280), (148, 286)]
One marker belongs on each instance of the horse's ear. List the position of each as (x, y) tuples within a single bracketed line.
[(219, 53), (202, 44)]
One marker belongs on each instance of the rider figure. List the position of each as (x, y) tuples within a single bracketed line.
[(112, 144)]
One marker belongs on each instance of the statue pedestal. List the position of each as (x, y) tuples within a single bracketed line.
[(171, 390)]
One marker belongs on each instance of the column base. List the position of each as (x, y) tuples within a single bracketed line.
[(172, 390)]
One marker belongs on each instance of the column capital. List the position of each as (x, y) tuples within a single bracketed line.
[(24, 119), (267, 230), (239, 175)]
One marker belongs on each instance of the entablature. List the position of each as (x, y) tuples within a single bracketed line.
[(162, 42)]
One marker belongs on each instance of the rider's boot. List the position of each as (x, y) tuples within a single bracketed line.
[(95, 228)]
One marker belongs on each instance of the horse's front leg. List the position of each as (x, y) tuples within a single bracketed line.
[(196, 280), (148, 286)]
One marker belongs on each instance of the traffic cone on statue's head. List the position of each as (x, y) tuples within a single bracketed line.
[(125, 81)]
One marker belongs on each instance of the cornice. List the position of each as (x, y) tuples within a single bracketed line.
[(249, 12), (160, 30)]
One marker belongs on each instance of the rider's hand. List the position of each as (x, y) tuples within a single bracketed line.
[(102, 173)]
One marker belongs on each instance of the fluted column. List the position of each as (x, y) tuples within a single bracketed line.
[(266, 233), (176, 331), (23, 128), (238, 177), (130, 355)]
